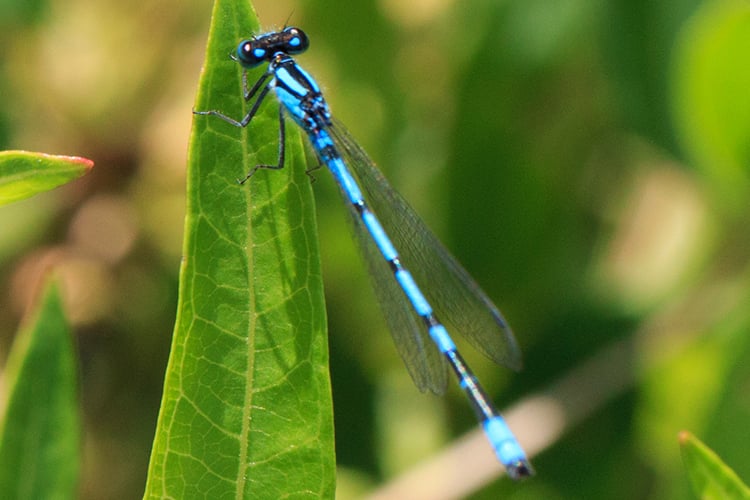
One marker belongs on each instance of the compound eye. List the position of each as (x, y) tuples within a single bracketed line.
[(251, 55), (296, 41)]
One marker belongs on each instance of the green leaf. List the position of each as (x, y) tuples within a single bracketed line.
[(39, 441), (712, 112), (24, 174), (711, 478), (246, 410)]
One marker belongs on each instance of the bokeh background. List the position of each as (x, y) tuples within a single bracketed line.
[(586, 161)]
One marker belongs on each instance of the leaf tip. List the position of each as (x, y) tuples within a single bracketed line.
[(86, 163), (684, 437)]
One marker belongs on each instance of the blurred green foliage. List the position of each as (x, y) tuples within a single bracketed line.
[(587, 162), (40, 428)]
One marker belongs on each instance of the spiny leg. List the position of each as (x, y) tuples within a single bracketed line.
[(282, 151), (248, 94)]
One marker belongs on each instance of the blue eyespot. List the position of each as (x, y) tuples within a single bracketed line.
[(297, 41), (250, 54)]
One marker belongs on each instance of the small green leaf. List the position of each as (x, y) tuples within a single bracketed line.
[(24, 174), (246, 410), (711, 478), (39, 441)]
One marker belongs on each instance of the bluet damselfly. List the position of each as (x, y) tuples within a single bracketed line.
[(421, 338)]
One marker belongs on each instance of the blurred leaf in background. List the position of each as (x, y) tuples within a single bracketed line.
[(710, 97), (40, 427)]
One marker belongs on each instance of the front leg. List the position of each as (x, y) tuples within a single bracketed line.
[(261, 88), (250, 114)]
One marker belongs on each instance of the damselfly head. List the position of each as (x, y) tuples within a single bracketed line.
[(263, 48)]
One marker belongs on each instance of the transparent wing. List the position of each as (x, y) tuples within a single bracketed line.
[(456, 298), (423, 360)]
